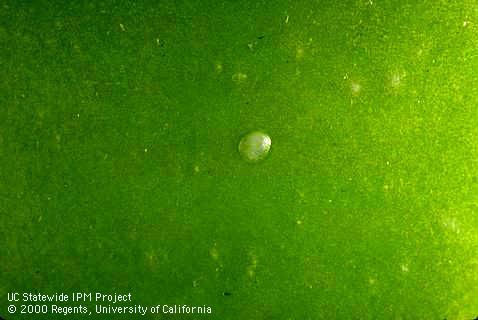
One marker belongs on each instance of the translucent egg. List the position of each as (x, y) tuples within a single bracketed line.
[(255, 146)]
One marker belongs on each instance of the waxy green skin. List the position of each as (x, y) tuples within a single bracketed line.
[(120, 169)]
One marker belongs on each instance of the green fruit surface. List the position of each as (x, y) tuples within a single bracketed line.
[(120, 171)]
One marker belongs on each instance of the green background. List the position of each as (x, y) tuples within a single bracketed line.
[(119, 169)]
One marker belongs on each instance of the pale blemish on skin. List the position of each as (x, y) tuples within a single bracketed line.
[(396, 79), (301, 196), (299, 53), (251, 268), (451, 224), (355, 87), (214, 253), (404, 267), (218, 67), (151, 257), (239, 77)]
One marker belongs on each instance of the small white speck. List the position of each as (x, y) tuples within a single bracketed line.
[(404, 267), (287, 19), (299, 222), (77, 115), (196, 168), (145, 150), (157, 41), (122, 27)]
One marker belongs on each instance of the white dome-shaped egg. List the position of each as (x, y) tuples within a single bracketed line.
[(255, 146)]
